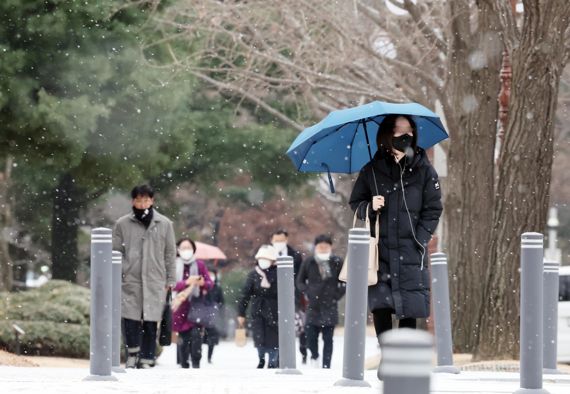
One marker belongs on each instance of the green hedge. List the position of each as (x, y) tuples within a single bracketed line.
[(47, 338), (55, 318)]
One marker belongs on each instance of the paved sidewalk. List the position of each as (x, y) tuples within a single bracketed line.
[(239, 381), (234, 371)]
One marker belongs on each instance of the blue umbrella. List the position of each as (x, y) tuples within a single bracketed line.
[(345, 140)]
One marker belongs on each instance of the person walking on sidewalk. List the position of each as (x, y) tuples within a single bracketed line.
[(146, 240), (192, 282), (402, 186), (280, 241), (215, 298), (318, 279), (260, 291)]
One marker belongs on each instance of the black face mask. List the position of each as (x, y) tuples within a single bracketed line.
[(402, 143), (143, 215)]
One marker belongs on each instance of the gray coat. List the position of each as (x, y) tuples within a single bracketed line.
[(148, 265)]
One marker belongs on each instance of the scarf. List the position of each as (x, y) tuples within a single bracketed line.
[(264, 282), (192, 271), (324, 268), (143, 215)]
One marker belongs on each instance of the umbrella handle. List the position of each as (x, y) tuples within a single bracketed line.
[(331, 184)]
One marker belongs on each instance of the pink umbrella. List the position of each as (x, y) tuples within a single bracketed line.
[(208, 252)]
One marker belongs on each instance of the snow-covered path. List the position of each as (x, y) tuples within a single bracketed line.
[(228, 356), (233, 371)]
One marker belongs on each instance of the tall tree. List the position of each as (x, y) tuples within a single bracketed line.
[(91, 108), (6, 223), (77, 94), (539, 51)]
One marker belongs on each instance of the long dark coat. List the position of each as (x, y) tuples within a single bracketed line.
[(403, 279), (323, 294), (216, 297), (263, 311)]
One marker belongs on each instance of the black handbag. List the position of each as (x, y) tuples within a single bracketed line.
[(165, 338), (202, 311)]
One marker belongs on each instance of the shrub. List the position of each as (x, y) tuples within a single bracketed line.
[(55, 318), (47, 338)]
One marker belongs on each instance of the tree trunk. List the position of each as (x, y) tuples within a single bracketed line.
[(474, 86), (6, 267), (65, 227), (522, 195)]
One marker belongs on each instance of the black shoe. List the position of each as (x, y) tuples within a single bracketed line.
[(304, 359), (185, 365), (261, 363)]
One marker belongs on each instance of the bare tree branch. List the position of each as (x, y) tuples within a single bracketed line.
[(304, 75), (256, 100), (425, 29), (312, 54)]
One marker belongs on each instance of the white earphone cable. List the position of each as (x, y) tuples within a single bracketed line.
[(409, 215)]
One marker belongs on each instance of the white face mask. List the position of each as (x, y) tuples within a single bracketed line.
[(323, 256), (264, 264), (186, 254), (280, 246)]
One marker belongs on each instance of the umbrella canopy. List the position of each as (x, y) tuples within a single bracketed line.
[(208, 252), (345, 140)]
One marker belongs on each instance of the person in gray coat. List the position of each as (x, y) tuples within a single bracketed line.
[(146, 239)]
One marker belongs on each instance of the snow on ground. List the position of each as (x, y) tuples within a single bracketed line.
[(228, 356), (233, 371)]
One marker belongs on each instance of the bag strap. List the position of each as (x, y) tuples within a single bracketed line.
[(356, 212), (376, 225), (367, 220)]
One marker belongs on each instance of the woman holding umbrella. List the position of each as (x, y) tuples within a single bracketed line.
[(400, 185)]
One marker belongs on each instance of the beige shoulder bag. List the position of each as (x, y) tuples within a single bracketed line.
[(373, 256)]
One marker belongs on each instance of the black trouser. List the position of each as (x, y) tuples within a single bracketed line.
[(211, 337), (303, 344), (140, 339), (312, 333), (383, 321), (190, 347)]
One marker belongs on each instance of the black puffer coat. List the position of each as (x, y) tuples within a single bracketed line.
[(403, 279), (263, 311)]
